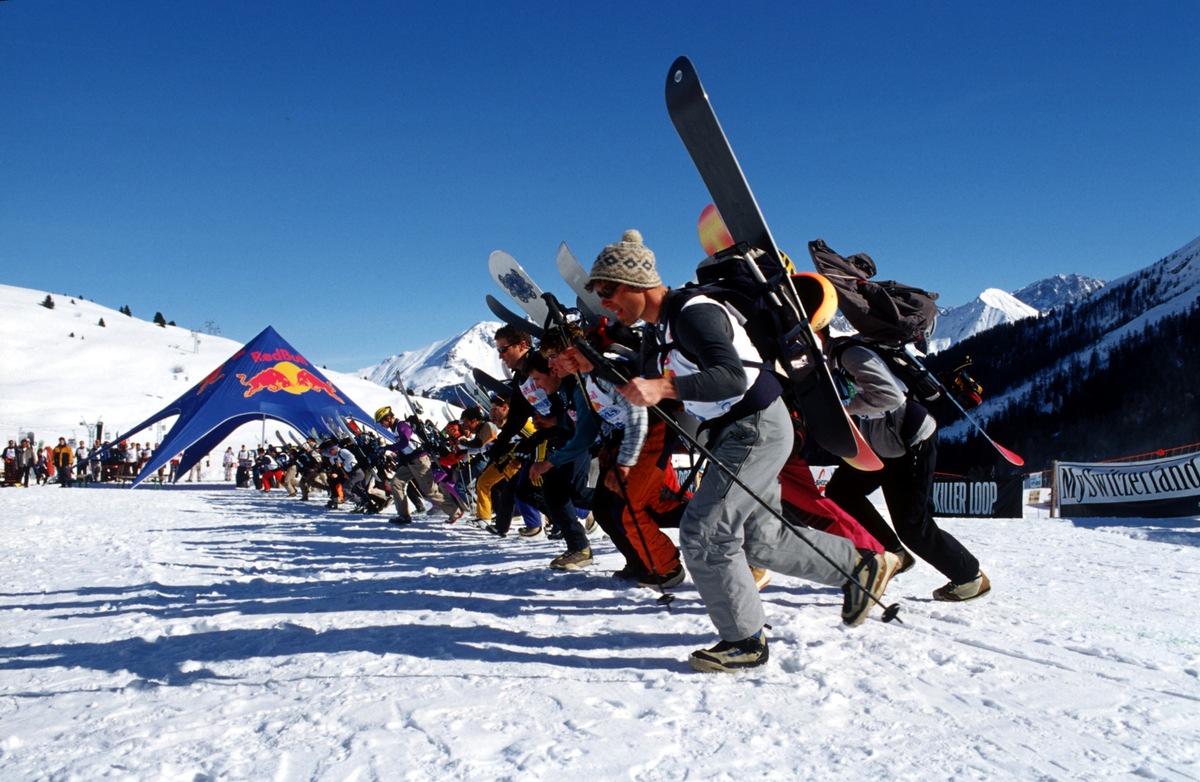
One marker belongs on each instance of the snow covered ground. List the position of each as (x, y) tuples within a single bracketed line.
[(231, 635)]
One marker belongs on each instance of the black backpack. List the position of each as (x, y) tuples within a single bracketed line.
[(729, 278), (886, 312)]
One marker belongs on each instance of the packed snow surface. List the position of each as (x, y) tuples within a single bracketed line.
[(230, 635)]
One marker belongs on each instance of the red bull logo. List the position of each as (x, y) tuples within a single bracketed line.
[(212, 378), (286, 376), (217, 373)]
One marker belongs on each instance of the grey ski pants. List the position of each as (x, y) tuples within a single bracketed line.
[(419, 471), (724, 529)]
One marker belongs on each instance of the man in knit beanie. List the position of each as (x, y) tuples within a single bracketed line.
[(695, 351)]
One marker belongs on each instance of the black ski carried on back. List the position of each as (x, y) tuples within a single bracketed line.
[(811, 382)]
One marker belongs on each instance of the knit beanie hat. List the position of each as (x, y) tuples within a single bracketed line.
[(628, 261)]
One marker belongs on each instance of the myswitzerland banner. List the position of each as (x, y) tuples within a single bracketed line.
[(1155, 489)]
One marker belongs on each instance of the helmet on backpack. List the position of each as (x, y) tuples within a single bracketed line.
[(383, 413), (818, 296)]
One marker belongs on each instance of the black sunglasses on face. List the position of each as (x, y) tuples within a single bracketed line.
[(607, 293)]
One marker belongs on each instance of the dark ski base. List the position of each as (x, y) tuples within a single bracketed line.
[(698, 127)]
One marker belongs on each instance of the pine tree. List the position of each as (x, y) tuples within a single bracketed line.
[(159, 320), (48, 303), (102, 323)]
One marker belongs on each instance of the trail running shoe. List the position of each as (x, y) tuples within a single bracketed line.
[(572, 560), (732, 656), (530, 532), (958, 593), (870, 577)]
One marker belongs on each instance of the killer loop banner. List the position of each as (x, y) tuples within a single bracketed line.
[(978, 497)]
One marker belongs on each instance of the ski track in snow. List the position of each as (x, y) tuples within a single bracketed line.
[(185, 635)]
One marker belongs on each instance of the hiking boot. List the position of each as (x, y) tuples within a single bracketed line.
[(870, 577), (530, 532), (589, 524), (957, 593), (572, 560), (761, 577), (400, 520), (492, 528), (670, 579), (907, 561), (554, 534), (731, 656)]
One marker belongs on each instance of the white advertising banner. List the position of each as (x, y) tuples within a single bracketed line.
[(1160, 488)]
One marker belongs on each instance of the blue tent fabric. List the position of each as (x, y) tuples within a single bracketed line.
[(265, 379)]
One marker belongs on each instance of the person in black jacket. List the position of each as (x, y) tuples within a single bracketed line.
[(904, 435)]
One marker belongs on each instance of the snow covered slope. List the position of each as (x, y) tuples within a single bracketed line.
[(63, 371), (231, 635)]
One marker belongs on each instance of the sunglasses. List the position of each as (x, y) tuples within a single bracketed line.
[(607, 293), (503, 350)]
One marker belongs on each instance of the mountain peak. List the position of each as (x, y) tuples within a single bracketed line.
[(442, 365), (1058, 291), (991, 308)]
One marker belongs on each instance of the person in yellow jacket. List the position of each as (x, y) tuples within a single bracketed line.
[(63, 457)]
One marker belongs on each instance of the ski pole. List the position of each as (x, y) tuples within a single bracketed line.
[(1009, 456), (665, 598)]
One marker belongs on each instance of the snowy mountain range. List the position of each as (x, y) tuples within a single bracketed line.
[(437, 369), (60, 353), (989, 309), (1057, 291), (994, 307), (1107, 375)]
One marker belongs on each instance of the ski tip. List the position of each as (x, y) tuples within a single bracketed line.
[(680, 71), (1009, 456)]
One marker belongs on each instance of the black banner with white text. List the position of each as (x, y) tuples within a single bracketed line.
[(984, 498)]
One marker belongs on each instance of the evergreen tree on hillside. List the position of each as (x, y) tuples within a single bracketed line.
[(102, 323), (126, 311), (48, 302), (1137, 397), (159, 320)]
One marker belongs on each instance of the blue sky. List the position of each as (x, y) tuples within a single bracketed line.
[(342, 171)]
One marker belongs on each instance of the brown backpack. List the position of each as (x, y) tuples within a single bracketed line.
[(887, 311)]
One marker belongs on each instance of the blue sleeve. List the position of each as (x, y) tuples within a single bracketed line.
[(587, 427)]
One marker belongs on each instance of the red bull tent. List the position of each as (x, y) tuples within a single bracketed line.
[(265, 379)]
